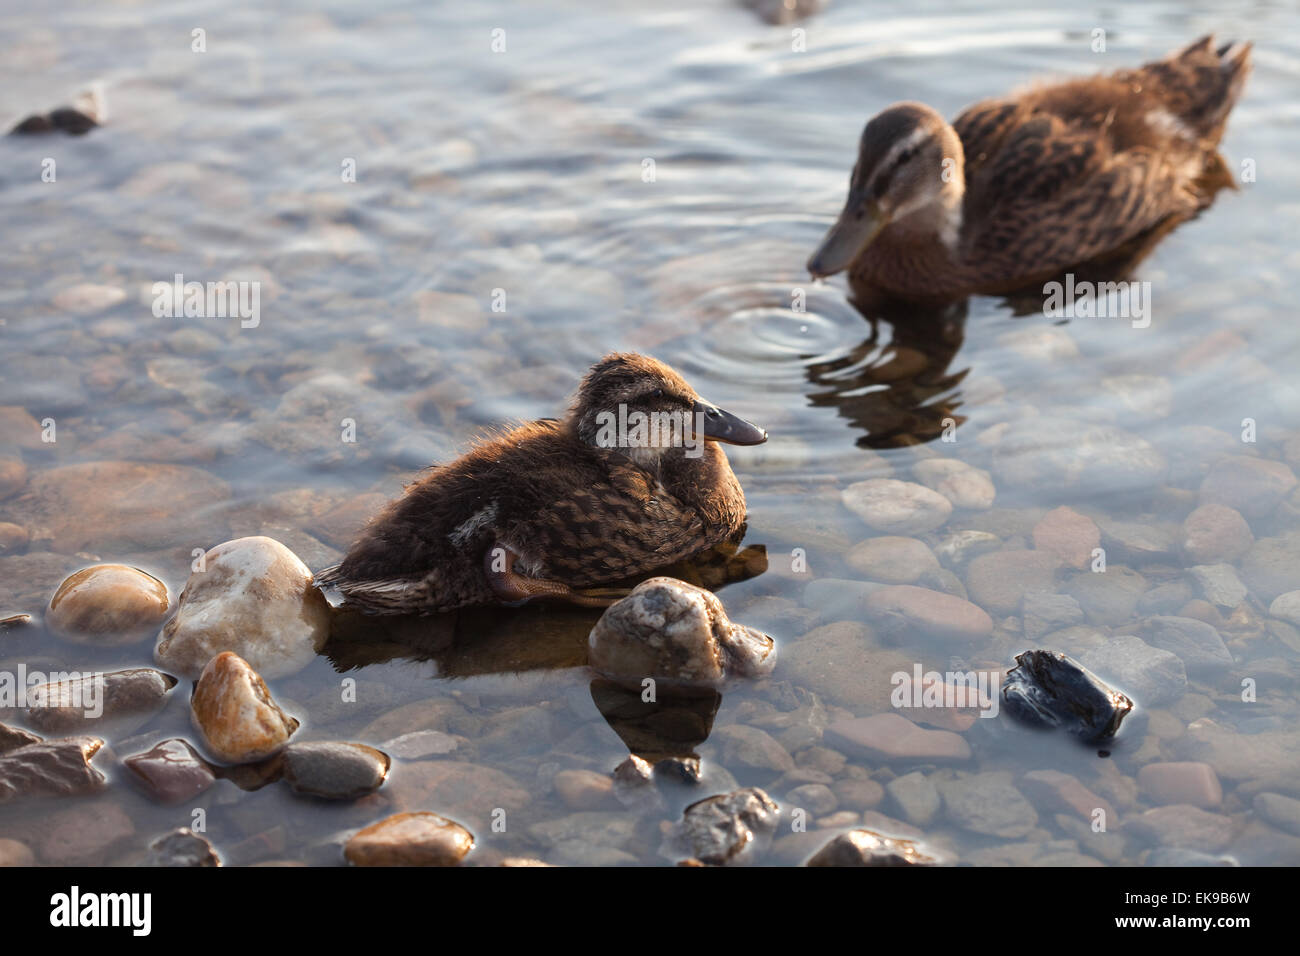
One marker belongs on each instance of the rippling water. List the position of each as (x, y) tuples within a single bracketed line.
[(521, 173)]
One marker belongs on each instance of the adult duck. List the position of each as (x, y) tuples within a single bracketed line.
[(1018, 190), (631, 480)]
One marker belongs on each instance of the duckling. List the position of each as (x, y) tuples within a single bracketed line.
[(631, 480), (1018, 190)]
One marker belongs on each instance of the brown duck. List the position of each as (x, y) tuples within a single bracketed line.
[(1018, 190), (630, 481)]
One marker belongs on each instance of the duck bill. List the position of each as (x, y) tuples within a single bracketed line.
[(719, 425), (856, 229)]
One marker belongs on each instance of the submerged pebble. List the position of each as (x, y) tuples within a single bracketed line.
[(724, 830), (182, 847), (233, 711), (107, 605), (253, 597), (677, 633), (54, 768), (1154, 677), (410, 839), (113, 704), (863, 847), (897, 507)]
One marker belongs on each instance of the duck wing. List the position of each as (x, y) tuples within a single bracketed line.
[(609, 530)]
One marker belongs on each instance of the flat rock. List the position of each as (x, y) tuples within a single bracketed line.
[(897, 507), (962, 484), (1070, 536), (998, 582), (585, 790), (843, 663), (1281, 811), (421, 743), (1271, 567), (255, 598), (1150, 676), (410, 839), (1262, 755), (83, 835), (1196, 643), (335, 771), (234, 713), (903, 609), (171, 771), (892, 559), (752, 749), (107, 605), (470, 791), (1183, 826), (1194, 784), (988, 803), (1076, 456), (1062, 792), (1252, 486), (1219, 584), (892, 737), (118, 505), (1214, 534), (1042, 612), (915, 796), (1108, 597)]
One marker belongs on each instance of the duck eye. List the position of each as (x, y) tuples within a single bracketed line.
[(658, 393)]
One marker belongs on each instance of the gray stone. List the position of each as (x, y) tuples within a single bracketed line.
[(915, 796), (1198, 644), (988, 803), (182, 847), (1071, 455), (863, 847), (1150, 676), (1281, 811), (1043, 612), (726, 829), (1108, 597), (1219, 584), (335, 771)]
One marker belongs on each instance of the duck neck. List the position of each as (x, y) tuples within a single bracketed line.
[(705, 483)]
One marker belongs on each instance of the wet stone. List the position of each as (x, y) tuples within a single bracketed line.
[(1215, 534), (1070, 536), (182, 847), (421, 743), (816, 799), (838, 599), (585, 790), (14, 853), (962, 484), (110, 704), (1176, 856), (727, 829), (1196, 643), (1137, 542), (1151, 676), (1067, 454), (170, 772), (11, 738), (1184, 826), (988, 803), (51, 768), (410, 839), (1055, 790), (678, 634), (1043, 612), (1281, 811), (891, 559), (107, 605), (1286, 607), (234, 713), (1261, 755), (915, 796), (1251, 486), (470, 791), (1219, 584), (335, 771), (1272, 566), (1194, 784), (863, 847), (752, 749), (998, 582), (254, 597), (892, 737), (82, 835), (1165, 598), (1054, 691), (1108, 597), (955, 549), (906, 609), (897, 507)]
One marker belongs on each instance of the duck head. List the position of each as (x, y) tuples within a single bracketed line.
[(909, 175), (642, 408)]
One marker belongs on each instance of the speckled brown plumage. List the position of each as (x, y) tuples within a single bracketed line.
[(1059, 175), (567, 512)]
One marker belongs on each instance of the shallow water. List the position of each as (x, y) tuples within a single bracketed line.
[(522, 171)]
